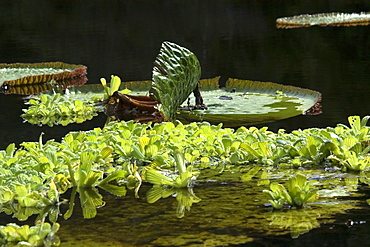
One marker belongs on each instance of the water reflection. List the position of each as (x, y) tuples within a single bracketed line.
[(226, 215), (297, 221), (184, 196), (224, 212)]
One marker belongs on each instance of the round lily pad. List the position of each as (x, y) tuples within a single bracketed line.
[(324, 19), (21, 78), (244, 102)]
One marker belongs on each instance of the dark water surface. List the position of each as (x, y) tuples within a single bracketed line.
[(231, 38)]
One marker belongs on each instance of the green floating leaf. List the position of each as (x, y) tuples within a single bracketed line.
[(299, 192), (355, 163), (10, 150), (114, 176), (245, 102), (111, 188), (115, 83), (57, 109), (175, 75), (16, 78), (42, 234), (157, 178), (90, 200), (324, 19), (106, 152)]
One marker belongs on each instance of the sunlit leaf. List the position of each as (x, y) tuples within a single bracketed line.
[(175, 75), (114, 189), (157, 178), (114, 176), (250, 102), (90, 199), (115, 83), (105, 152)]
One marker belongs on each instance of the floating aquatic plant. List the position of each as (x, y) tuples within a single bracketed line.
[(17, 77), (123, 155), (354, 162), (88, 179), (22, 74), (115, 83), (83, 172), (122, 106), (133, 178), (56, 109), (324, 19), (184, 178), (176, 74), (42, 234), (298, 193), (245, 102), (90, 200)]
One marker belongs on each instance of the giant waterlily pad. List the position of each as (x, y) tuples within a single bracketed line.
[(26, 78), (324, 19), (244, 102)]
